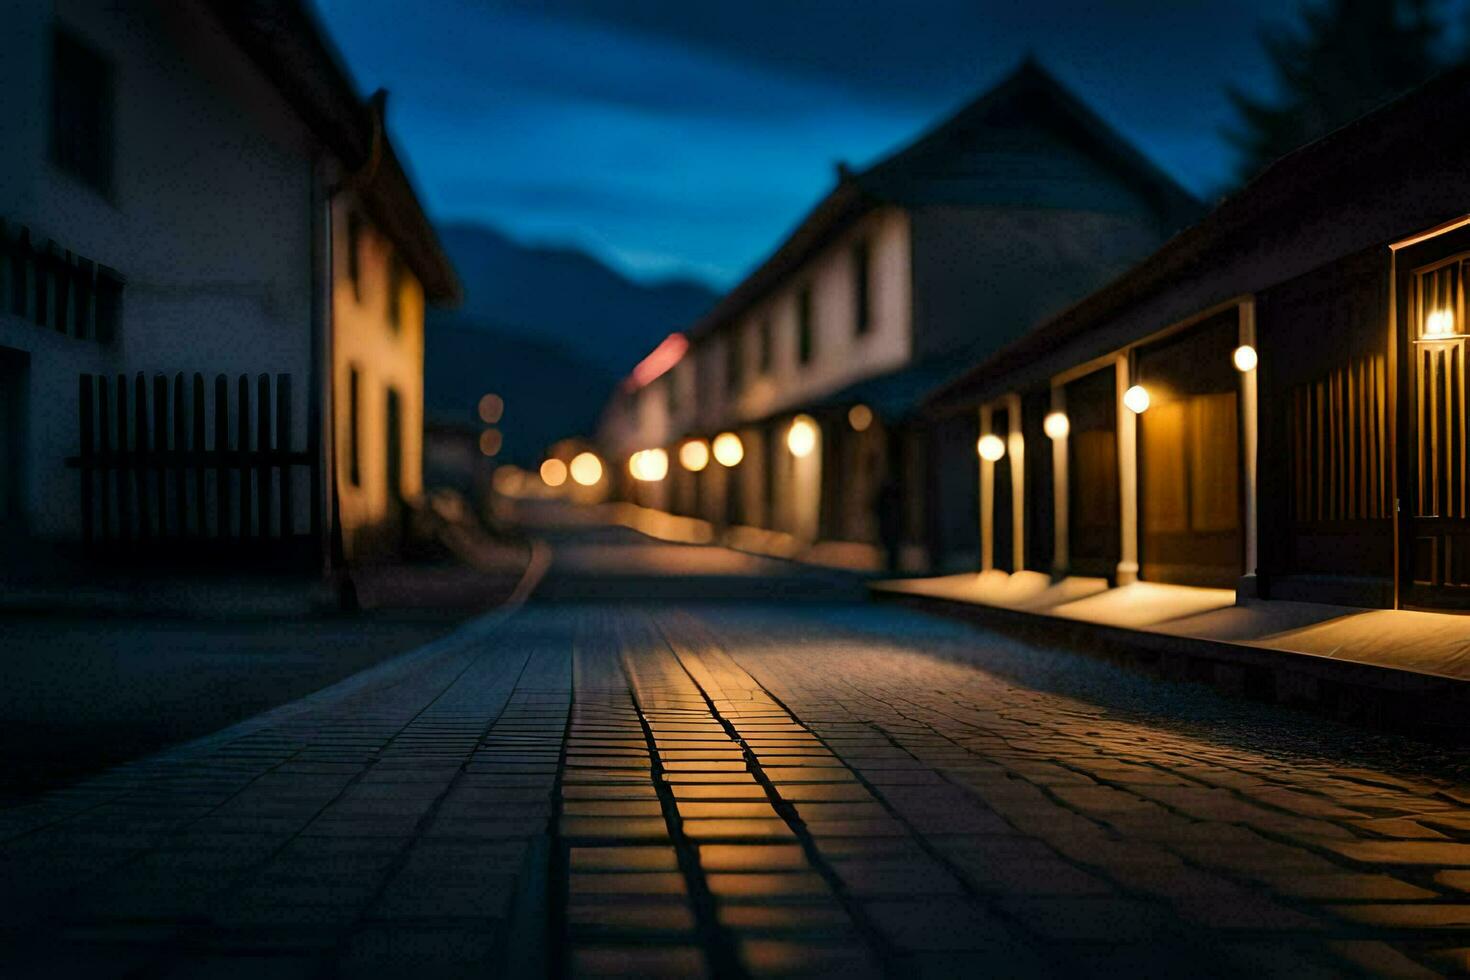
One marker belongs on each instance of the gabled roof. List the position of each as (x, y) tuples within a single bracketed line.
[(1345, 190), (940, 167), (288, 47)]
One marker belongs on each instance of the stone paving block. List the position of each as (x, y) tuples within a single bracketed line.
[(751, 857), (940, 924), (647, 919), (1415, 916), (1087, 919), (644, 883), (896, 878), (1380, 960), (810, 921), (736, 829), (396, 951), (623, 859), (779, 957), (638, 961)]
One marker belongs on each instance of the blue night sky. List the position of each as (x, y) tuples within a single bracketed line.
[(675, 139)]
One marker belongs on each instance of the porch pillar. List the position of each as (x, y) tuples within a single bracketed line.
[(1249, 430), (987, 501), (1061, 526), (1127, 476)]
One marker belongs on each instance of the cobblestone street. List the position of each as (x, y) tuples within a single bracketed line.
[(746, 788)]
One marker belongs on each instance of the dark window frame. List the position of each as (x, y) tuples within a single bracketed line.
[(862, 287), (734, 360), (805, 329), (765, 346), (82, 123), (354, 426)]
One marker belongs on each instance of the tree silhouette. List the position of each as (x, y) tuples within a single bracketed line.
[(1344, 58)]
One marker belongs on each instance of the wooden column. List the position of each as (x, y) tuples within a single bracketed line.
[(1249, 432), (1061, 518), (1127, 477), (987, 501), (1016, 453)]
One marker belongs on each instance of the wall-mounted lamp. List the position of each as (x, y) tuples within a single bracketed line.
[(694, 455), (1245, 358), (586, 469), (1439, 330), (1056, 425), (553, 472), (860, 417), (801, 438), (649, 465), (729, 450), (991, 447), (1135, 399)]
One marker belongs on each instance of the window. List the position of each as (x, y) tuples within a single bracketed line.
[(861, 288), (671, 394), (395, 291), (804, 326), (81, 112), (734, 361), (764, 341), (354, 416), (353, 246)]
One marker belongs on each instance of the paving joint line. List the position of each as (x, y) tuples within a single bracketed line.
[(718, 944)]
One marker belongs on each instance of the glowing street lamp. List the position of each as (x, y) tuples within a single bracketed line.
[(649, 465), (553, 472), (860, 417), (586, 469), (991, 447), (694, 455), (1136, 399), (728, 448), (1245, 358), (1056, 425), (801, 438)]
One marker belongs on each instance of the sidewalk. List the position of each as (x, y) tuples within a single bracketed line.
[(1356, 651)]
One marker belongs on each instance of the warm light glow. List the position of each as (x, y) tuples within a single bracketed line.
[(1440, 323), (1245, 358), (729, 450), (1056, 425), (801, 438), (860, 417), (490, 441), (649, 465), (694, 455), (663, 357), (1135, 399), (491, 408), (991, 447), (553, 472), (586, 469)]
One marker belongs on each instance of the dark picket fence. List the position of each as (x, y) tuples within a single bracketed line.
[(57, 289), (150, 474)]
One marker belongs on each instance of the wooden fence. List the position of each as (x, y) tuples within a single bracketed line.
[(57, 289), (150, 474)]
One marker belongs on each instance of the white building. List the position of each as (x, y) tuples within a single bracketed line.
[(906, 272), (177, 186)]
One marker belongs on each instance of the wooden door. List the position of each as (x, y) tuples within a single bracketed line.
[(1434, 504)]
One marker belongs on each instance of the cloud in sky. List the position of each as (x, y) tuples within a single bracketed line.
[(686, 138)]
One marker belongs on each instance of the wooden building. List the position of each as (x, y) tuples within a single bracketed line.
[(212, 277), (1275, 400), (904, 273)]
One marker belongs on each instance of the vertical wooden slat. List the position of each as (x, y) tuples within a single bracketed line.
[(181, 468), (85, 417), (196, 443), (283, 445), (222, 523), (160, 449), (262, 449), (123, 474), (140, 455), (242, 448), (104, 446)]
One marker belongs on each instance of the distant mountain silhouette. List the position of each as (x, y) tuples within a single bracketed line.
[(566, 296), (549, 393), (551, 330)]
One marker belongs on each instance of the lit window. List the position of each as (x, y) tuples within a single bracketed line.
[(81, 112)]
